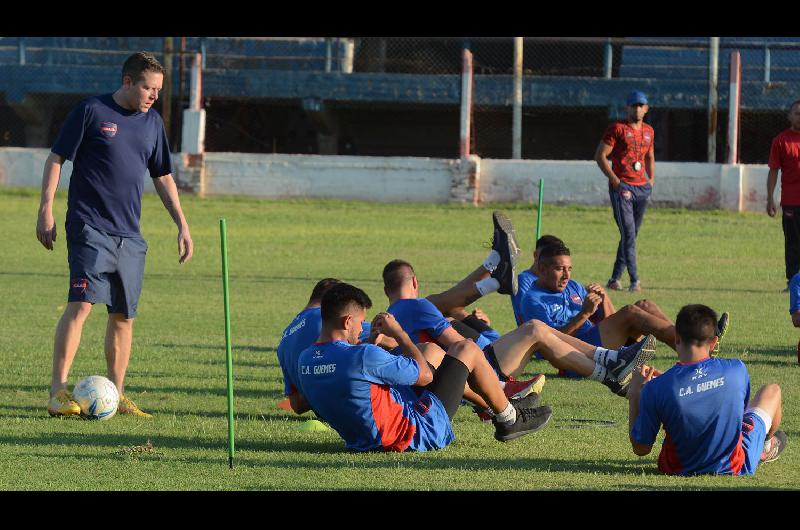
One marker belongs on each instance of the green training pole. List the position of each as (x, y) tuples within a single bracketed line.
[(539, 211), (228, 356)]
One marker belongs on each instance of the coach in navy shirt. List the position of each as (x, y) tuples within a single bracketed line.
[(112, 140)]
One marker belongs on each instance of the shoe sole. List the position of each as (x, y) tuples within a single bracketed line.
[(781, 448), (516, 435), (643, 357), (504, 224), (722, 332), (533, 388)]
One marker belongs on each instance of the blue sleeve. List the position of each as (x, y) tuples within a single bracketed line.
[(532, 308), (384, 368), (71, 134), (366, 327), (428, 317), (160, 162), (647, 425), (794, 294), (491, 335), (289, 387)]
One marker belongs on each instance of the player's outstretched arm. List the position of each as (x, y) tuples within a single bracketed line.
[(46, 224), (168, 192)]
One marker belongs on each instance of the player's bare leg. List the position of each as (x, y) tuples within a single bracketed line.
[(651, 308), (453, 301), (434, 354), (119, 338), (633, 321), (768, 398), (514, 350), (67, 340)]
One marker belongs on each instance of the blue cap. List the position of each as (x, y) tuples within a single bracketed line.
[(637, 97)]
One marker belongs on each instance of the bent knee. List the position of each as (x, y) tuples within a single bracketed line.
[(771, 391), (78, 310)]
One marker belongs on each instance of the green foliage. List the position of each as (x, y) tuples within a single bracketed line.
[(277, 251)]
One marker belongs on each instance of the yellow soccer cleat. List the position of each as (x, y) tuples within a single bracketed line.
[(126, 406), (62, 404)]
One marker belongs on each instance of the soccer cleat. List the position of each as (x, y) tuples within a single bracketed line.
[(62, 404), (776, 446), (722, 329), (620, 388), (614, 285), (504, 243), (126, 406), (631, 358), (520, 389), (529, 420), (636, 287), (531, 400)]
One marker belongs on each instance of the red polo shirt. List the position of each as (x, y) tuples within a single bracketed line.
[(628, 146), (785, 155)]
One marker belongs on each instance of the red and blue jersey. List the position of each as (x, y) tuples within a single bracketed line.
[(525, 280), (555, 309), (701, 406), (365, 394), (299, 335)]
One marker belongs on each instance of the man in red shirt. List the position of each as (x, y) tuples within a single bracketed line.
[(629, 143), (785, 156)]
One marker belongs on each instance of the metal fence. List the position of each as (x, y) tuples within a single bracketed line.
[(395, 96)]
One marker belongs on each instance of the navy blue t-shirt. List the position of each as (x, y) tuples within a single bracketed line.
[(111, 148)]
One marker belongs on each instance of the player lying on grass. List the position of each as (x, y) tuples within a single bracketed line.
[(509, 354), (704, 404), (557, 300), (379, 401)]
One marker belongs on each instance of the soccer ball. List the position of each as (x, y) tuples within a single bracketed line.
[(97, 397)]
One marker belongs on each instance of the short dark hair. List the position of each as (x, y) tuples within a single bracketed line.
[(549, 252), (696, 324), (321, 288), (139, 63), (339, 298), (547, 240), (795, 102), (394, 275)]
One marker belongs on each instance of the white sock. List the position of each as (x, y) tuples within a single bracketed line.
[(492, 261), (600, 373), (508, 416), (604, 356), (487, 286)]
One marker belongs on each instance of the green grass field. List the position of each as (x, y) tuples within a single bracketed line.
[(277, 251)]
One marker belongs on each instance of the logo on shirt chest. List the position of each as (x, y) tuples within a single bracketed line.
[(575, 298), (108, 129)]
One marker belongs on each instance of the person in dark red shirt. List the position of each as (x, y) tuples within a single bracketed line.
[(785, 156), (629, 144)]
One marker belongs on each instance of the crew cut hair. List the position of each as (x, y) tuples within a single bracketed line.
[(549, 252), (548, 240), (394, 274), (696, 324), (338, 300), (140, 62), (321, 288)]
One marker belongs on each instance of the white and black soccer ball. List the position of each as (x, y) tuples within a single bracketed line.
[(97, 396)]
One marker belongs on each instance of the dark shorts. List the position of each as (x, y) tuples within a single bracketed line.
[(448, 384), (488, 352), (104, 268), (592, 336)]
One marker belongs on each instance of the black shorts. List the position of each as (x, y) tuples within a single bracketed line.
[(448, 384), (488, 352)]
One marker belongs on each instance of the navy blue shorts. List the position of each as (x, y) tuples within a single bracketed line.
[(104, 268)]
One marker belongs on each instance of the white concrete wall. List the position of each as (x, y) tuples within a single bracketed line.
[(23, 167), (400, 179), (384, 179)]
